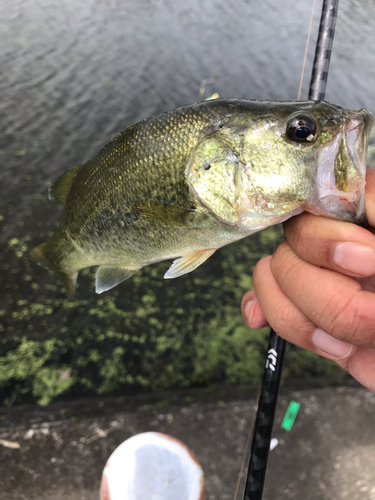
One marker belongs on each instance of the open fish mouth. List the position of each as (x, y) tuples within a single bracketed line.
[(341, 174)]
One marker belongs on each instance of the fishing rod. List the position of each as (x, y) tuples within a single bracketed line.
[(260, 445)]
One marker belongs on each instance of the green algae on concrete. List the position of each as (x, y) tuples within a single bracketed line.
[(29, 363), (147, 334)]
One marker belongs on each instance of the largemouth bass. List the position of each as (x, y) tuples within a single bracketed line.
[(182, 184)]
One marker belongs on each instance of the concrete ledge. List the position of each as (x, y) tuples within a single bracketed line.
[(328, 454)]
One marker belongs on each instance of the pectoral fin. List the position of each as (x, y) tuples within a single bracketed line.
[(107, 277), (188, 263), (163, 214)]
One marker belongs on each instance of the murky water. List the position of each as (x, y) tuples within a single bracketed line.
[(75, 73)]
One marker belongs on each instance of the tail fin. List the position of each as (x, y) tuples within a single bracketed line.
[(40, 253)]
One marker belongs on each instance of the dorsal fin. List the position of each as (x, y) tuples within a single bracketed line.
[(164, 214), (59, 191)]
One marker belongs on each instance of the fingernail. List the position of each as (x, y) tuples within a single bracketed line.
[(248, 310), (328, 344), (356, 258)]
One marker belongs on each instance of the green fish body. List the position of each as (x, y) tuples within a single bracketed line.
[(187, 182)]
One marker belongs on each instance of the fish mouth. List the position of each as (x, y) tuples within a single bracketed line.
[(341, 174)]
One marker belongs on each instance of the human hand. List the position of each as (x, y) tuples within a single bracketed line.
[(318, 289)]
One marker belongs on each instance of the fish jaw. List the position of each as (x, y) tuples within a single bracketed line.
[(341, 172)]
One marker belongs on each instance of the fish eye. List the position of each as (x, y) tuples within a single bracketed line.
[(302, 129), (207, 166)]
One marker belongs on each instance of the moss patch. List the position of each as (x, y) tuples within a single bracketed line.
[(146, 334)]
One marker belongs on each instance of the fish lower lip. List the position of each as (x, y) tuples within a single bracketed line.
[(350, 208)]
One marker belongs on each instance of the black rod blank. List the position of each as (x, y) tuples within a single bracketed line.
[(260, 446), (323, 50)]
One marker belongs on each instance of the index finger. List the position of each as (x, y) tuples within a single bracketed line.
[(335, 303)]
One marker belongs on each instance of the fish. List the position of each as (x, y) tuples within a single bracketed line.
[(181, 184)]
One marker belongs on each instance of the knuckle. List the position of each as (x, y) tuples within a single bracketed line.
[(282, 318), (296, 229), (262, 267), (292, 325), (364, 323), (306, 240), (341, 318), (280, 259), (286, 267)]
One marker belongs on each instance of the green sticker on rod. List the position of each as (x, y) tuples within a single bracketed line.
[(290, 415)]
